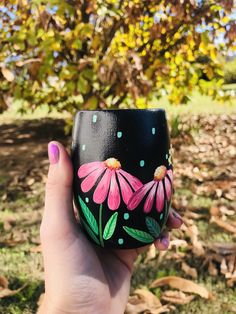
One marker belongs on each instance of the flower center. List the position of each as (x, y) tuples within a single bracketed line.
[(160, 173), (112, 163)]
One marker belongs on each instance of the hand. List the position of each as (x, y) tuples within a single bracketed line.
[(79, 276)]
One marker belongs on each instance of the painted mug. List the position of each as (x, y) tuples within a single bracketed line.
[(123, 177)]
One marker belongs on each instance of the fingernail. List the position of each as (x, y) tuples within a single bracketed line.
[(53, 153), (177, 216), (165, 242)]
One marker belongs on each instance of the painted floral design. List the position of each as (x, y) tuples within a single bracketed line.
[(163, 179), (113, 182)]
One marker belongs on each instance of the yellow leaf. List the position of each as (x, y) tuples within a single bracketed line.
[(203, 48), (167, 55), (177, 35), (190, 55), (209, 73), (225, 19), (141, 103), (213, 54), (221, 30), (178, 59), (163, 30)]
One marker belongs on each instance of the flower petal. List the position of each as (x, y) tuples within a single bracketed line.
[(86, 169), (170, 175), (134, 182), (168, 188), (126, 190), (114, 193), (150, 199), (139, 195), (101, 191), (91, 179), (160, 197)]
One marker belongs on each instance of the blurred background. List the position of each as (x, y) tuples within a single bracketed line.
[(57, 57)]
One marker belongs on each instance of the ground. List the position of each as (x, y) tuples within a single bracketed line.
[(204, 161)]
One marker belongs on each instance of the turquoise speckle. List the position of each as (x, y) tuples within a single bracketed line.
[(142, 163), (86, 199), (83, 147), (161, 216), (153, 131), (95, 118), (126, 216), (120, 241), (119, 134), (167, 156)]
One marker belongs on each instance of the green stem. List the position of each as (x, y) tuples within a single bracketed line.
[(100, 226)]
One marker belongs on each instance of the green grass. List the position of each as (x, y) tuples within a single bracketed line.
[(198, 104)]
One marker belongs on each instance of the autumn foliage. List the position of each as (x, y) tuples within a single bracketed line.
[(95, 54)]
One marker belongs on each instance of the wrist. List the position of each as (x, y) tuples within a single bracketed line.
[(47, 307)]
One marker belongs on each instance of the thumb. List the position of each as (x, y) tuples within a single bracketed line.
[(58, 218)]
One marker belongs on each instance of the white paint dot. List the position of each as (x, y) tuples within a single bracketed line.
[(83, 147), (119, 134), (95, 118), (142, 163)]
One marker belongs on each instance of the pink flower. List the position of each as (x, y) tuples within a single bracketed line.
[(163, 179), (114, 182)]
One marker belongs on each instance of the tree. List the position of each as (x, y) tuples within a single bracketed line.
[(97, 54)]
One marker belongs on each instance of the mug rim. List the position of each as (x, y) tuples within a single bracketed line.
[(128, 109)]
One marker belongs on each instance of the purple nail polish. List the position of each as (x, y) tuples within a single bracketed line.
[(177, 216), (165, 242), (53, 153)]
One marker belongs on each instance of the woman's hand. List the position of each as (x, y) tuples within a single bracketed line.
[(79, 276)]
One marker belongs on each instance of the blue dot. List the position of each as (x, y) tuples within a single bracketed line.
[(119, 134), (95, 118), (161, 216), (142, 163), (86, 199), (126, 216), (120, 241), (83, 147), (153, 131)]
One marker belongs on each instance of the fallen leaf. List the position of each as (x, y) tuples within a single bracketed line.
[(144, 301), (6, 292), (36, 249), (223, 224), (3, 282), (222, 248), (176, 297), (148, 297), (214, 211), (230, 282), (193, 233), (190, 271), (151, 253), (178, 243), (40, 300), (31, 181), (212, 269), (182, 284), (8, 75)]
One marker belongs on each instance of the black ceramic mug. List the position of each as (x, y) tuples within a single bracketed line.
[(123, 177)]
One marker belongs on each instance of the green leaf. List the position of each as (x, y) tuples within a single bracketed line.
[(89, 216), (89, 231), (153, 227), (110, 227), (139, 235)]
